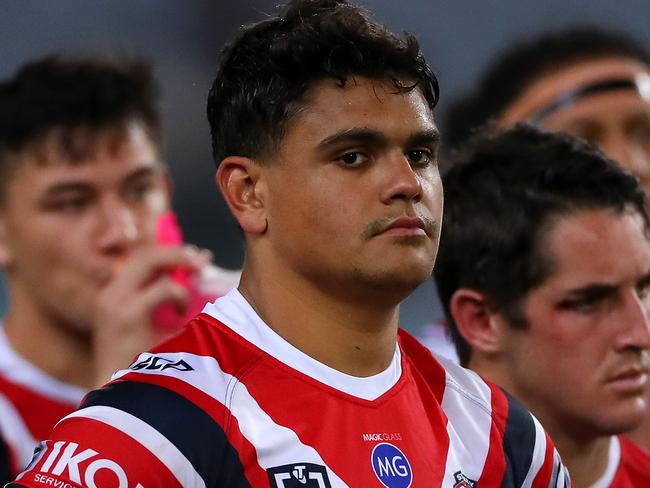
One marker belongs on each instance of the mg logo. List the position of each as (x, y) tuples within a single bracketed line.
[(303, 475), (391, 466)]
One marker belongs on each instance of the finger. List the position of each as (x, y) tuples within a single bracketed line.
[(144, 264)]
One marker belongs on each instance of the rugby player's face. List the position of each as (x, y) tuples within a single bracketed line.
[(355, 194), (582, 364), (66, 226), (616, 120)]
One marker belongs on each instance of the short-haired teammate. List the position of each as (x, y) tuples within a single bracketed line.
[(544, 274), (589, 82), (83, 199), (323, 130)]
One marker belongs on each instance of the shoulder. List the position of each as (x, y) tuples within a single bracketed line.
[(489, 421), (148, 432)]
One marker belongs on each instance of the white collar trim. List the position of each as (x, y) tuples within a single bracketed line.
[(237, 314), (20, 371)]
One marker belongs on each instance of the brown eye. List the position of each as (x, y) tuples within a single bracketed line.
[(352, 159)]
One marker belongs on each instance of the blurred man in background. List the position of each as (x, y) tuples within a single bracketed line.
[(84, 214), (591, 83), (544, 275)]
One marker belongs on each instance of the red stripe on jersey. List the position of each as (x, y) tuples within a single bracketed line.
[(216, 340), (545, 474), (38, 411), (433, 372), (255, 474), (634, 466), (105, 454), (495, 463)]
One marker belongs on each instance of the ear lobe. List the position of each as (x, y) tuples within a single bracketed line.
[(475, 322), (239, 180)]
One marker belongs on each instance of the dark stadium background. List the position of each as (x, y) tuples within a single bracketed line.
[(182, 38)]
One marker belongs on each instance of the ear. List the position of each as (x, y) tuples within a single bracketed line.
[(241, 185), (480, 327)]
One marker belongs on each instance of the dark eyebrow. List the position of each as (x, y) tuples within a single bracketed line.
[(427, 137), (146, 172), (68, 186), (596, 291), (84, 186), (591, 292), (357, 135)]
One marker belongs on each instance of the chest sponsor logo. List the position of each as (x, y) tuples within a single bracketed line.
[(303, 475), (463, 481), (157, 363), (391, 466), (67, 462), (382, 436)]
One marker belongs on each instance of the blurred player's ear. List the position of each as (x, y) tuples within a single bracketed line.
[(240, 183), (475, 322)]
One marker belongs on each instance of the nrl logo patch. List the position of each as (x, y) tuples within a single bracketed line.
[(463, 481), (302, 475)]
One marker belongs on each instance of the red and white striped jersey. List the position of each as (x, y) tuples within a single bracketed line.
[(31, 403), (229, 403), (628, 466)]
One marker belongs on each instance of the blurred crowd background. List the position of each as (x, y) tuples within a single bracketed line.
[(182, 40)]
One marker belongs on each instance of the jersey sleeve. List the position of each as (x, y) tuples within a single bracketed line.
[(530, 455), (132, 434)]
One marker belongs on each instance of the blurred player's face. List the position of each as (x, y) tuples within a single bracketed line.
[(618, 120), (66, 225), (355, 197), (582, 364)]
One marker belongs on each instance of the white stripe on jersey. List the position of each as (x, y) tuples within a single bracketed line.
[(275, 444), (539, 454), (15, 432), (236, 313), (154, 441), (467, 404), (614, 458), (22, 372)]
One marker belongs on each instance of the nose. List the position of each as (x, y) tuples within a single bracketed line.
[(402, 182), (118, 230), (636, 325)]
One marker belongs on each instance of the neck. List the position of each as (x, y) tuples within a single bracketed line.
[(50, 346), (586, 456), (586, 460), (354, 336)]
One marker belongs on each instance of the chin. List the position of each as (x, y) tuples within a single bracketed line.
[(623, 419), (401, 281)]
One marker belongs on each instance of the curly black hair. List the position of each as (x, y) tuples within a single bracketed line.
[(264, 73)]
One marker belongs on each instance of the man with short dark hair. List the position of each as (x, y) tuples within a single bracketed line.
[(544, 271), (84, 200), (586, 81), (323, 132)]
